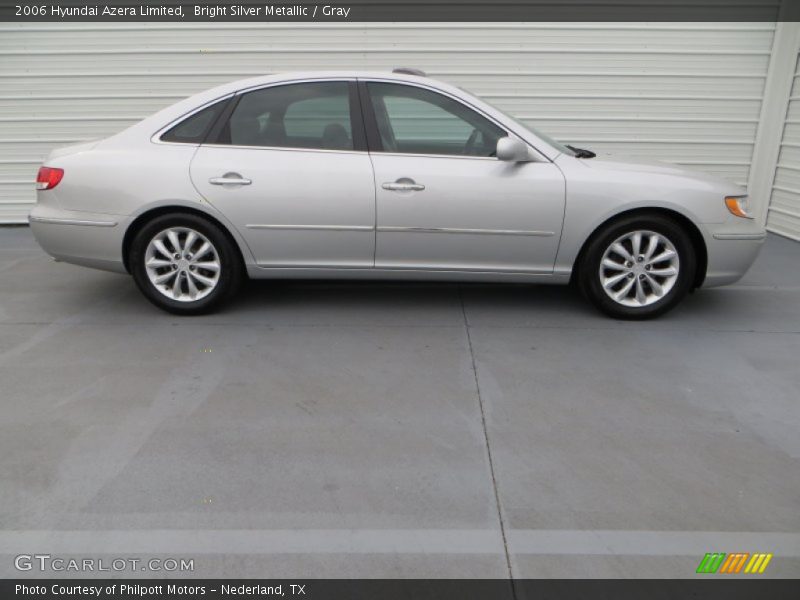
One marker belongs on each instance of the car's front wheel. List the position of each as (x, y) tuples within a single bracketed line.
[(185, 264), (638, 267)]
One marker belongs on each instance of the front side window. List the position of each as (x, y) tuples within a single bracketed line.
[(298, 115), (418, 121)]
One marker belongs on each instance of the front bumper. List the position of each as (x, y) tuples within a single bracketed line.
[(87, 239), (732, 248)]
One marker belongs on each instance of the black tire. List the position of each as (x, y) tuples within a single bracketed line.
[(231, 271), (589, 277)]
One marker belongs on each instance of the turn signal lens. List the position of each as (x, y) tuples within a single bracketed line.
[(737, 205), (48, 178)]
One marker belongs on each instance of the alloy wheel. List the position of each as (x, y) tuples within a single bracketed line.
[(182, 264), (639, 268)]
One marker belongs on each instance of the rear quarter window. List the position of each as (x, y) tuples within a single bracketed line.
[(194, 129)]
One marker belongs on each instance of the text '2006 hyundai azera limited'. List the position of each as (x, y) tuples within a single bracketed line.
[(380, 175)]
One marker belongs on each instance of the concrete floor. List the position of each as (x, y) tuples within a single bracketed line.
[(397, 430)]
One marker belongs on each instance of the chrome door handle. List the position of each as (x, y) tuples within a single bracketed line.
[(398, 186), (229, 179)]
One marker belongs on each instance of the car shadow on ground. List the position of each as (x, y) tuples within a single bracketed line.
[(480, 302), (104, 296), (408, 295)]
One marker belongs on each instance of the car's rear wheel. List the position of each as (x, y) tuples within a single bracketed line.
[(185, 264), (638, 267)]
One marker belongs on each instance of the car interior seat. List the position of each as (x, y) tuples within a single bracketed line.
[(335, 137)]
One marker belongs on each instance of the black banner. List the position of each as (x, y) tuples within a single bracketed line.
[(400, 10), (734, 588)]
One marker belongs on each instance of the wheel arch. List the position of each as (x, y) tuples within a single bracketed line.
[(150, 214), (695, 236)]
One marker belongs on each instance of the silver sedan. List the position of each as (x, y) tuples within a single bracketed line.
[(380, 175)]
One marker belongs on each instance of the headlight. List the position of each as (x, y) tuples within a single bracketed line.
[(738, 206)]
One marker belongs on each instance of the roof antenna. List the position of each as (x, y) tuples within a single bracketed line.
[(409, 71)]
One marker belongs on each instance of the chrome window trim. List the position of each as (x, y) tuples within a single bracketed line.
[(456, 156), (283, 148)]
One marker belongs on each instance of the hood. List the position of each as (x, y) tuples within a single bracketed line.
[(612, 163)]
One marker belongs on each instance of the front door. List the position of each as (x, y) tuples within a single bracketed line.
[(444, 202), (290, 170)]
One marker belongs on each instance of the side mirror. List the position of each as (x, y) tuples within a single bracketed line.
[(512, 150)]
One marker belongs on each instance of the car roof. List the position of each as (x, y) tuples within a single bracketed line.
[(340, 73), (303, 75)]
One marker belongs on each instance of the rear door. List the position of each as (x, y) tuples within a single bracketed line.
[(290, 169)]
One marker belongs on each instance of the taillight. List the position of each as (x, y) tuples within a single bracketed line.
[(48, 178)]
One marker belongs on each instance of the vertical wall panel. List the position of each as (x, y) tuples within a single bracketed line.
[(784, 207), (686, 93)]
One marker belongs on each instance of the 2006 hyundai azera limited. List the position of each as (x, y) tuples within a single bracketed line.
[(380, 175)]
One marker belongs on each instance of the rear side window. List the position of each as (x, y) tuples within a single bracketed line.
[(194, 129), (299, 115), (309, 118)]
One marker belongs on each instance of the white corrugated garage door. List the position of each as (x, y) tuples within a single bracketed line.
[(784, 207), (688, 93)]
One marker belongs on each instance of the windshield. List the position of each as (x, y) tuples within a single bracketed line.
[(547, 139), (543, 136)]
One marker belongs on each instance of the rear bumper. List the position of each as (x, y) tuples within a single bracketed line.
[(732, 253), (87, 239)]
